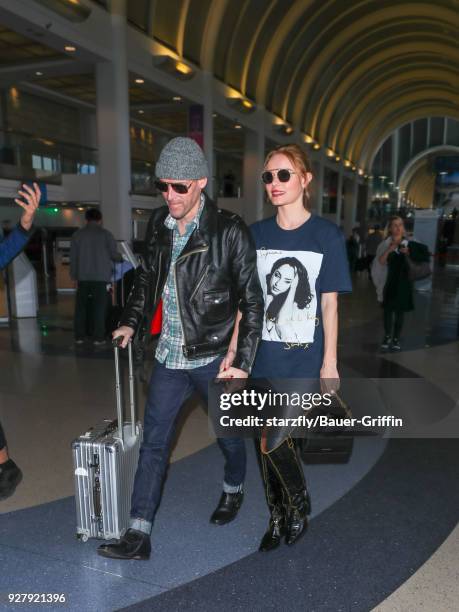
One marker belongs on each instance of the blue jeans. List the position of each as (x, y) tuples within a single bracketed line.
[(168, 391)]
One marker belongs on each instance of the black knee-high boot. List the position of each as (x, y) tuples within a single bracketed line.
[(276, 504), (286, 466)]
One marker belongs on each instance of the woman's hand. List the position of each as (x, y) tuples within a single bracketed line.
[(32, 201), (227, 361), (329, 377)]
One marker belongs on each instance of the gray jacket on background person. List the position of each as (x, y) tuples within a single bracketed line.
[(92, 253)]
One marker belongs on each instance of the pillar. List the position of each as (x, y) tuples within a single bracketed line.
[(351, 187), (209, 132), (254, 156), (112, 87), (318, 186)]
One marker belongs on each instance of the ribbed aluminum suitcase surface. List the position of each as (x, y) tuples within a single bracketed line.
[(105, 462), (105, 467)]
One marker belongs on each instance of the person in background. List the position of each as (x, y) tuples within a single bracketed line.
[(353, 248), (12, 245), (93, 252), (391, 276)]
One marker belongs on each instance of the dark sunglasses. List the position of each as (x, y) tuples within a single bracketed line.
[(283, 175), (177, 187)]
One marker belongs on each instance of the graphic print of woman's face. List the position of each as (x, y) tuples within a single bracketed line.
[(288, 273), (282, 278)]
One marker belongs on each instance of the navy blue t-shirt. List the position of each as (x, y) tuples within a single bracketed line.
[(295, 267)]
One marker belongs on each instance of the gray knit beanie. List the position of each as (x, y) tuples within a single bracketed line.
[(182, 159)]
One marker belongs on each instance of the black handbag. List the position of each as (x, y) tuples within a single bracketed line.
[(418, 270), (329, 444)]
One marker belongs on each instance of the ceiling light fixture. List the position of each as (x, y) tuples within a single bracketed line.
[(140, 81), (177, 98), (182, 68), (308, 139), (283, 128), (241, 104), (72, 10), (177, 68), (237, 126), (70, 48), (38, 73)]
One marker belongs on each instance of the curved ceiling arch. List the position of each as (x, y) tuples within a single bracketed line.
[(342, 69), (233, 43), (313, 70), (183, 16), (421, 188), (434, 48), (363, 67), (411, 167), (210, 33), (382, 99), (362, 129), (253, 43), (424, 109), (371, 82), (324, 63), (278, 38), (357, 47)]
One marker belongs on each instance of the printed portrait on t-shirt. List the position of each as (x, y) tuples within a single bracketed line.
[(288, 279)]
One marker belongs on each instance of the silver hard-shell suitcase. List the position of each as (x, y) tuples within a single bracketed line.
[(105, 461)]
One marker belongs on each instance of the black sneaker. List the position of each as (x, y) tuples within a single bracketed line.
[(396, 345), (385, 344), (10, 477)]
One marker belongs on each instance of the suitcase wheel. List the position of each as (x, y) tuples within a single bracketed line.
[(82, 536)]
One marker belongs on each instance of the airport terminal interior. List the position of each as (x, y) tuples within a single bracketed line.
[(90, 92)]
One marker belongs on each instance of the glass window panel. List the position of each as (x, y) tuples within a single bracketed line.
[(36, 162), (452, 134), (437, 126), (419, 136)]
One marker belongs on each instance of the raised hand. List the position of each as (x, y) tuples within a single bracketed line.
[(32, 200)]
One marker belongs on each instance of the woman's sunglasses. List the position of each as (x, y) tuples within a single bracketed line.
[(177, 187), (283, 175)]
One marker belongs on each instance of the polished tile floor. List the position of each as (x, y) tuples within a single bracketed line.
[(50, 391)]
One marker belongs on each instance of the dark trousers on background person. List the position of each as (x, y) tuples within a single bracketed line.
[(393, 322), (168, 391), (2, 438), (91, 302)]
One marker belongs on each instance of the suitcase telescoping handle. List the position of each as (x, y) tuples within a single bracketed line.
[(119, 401)]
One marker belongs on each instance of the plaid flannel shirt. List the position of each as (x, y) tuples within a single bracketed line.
[(169, 349)]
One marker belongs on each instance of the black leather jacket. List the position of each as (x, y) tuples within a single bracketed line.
[(215, 275)]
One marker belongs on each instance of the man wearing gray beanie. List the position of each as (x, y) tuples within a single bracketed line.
[(199, 270)]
